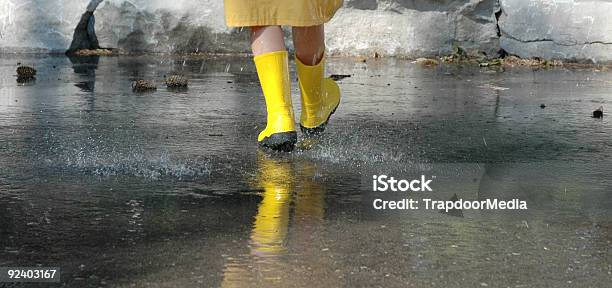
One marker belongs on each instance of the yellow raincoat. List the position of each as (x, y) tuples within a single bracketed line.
[(242, 13)]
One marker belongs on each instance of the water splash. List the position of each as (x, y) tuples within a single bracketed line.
[(102, 157), (360, 148)]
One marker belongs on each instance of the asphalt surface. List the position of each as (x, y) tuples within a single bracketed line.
[(169, 189)]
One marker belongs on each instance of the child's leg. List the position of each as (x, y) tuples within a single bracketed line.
[(320, 97), (266, 39), (271, 60), (309, 44)]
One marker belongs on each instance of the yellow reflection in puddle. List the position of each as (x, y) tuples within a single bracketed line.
[(278, 178)]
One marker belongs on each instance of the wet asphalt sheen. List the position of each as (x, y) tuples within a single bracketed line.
[(169, 189)]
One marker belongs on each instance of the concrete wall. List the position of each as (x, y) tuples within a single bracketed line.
[(566, 29)]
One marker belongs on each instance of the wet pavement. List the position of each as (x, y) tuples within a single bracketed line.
[(169, 189)]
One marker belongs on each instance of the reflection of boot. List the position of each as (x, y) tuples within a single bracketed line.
[(309, 204), (263, 267), (309, 210), (272, 219), (320, 97), (273, 71)]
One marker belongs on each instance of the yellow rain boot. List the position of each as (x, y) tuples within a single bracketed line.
[(320, 97), (273, 71)]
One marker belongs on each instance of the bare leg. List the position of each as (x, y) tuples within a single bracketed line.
[(309, 44), (266, 39)]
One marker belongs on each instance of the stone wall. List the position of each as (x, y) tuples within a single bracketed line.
[(414, 28), (566, 29), (562, 29)]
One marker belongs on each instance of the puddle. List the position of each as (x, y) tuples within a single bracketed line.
[(122, 188)]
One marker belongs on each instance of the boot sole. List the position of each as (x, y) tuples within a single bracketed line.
[(283, 141), (319, 129)]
